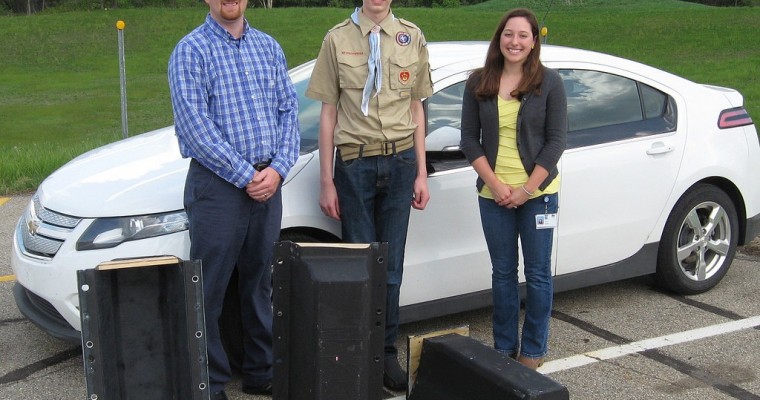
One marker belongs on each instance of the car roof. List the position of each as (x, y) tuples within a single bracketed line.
[(443, 54), (453, 56), (456, 56)]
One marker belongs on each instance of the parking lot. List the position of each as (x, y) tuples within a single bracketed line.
[(625, 340)]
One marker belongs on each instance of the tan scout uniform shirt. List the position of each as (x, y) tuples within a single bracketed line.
[(341, 71)]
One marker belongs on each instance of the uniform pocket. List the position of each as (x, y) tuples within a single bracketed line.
[(352, 71), (403, 69)]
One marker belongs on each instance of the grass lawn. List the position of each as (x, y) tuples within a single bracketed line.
[(59, 77)]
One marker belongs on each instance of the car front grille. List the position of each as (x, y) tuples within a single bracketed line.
[(41, 232), (45, 307)]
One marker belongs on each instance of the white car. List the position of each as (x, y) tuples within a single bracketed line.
[(658, 178)]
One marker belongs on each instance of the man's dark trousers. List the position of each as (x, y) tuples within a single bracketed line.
[(228, 228)]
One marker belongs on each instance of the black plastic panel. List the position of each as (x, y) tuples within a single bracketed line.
[(143, 332), (329, 321), (455, 367)]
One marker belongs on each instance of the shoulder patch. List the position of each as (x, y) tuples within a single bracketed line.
[(340, 25), (408, 23), (414, 29)]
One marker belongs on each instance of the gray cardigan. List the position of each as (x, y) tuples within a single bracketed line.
[(541, 127)]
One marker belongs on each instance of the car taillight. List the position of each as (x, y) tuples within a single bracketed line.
[(733, 117)]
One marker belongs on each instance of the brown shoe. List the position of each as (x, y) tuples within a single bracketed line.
[(532, 363)]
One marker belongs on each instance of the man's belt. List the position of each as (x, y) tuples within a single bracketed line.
[(351, 151), (260, 166)]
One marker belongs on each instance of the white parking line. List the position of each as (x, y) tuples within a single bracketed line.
[(647, 344)]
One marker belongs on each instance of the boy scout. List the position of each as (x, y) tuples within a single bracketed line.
[(371, 74)]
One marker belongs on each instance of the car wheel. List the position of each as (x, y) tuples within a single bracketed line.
[(230, 324), (699, 241)]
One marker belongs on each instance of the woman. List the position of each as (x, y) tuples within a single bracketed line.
[(514, 125)]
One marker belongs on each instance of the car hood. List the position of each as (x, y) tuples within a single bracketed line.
[(143, 174)]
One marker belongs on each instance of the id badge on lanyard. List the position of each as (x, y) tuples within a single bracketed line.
[(546, 220)]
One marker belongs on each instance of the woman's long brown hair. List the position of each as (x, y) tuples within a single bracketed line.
[(490, 73)]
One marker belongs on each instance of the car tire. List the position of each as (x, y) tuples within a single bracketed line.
[(699, 241), (230, 323)]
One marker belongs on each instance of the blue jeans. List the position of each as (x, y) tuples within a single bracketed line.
[(229, 229), (375, 197), (502, 227)]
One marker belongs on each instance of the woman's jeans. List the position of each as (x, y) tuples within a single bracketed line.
[(375, 198), (502, 226)]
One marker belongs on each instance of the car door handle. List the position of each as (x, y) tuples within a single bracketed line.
[(659, 148)]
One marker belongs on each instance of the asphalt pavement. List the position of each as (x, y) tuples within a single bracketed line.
[(624, 340)]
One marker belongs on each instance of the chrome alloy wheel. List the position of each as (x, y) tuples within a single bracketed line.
[(704, 240), (699, 240)]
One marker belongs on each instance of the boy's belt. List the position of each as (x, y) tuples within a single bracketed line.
[(351, 151)]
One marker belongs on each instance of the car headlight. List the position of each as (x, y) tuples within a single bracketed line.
[(104, 233)]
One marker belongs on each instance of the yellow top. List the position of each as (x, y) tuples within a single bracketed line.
[(509, 169)]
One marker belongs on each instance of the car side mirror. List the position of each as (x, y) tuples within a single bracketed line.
[(445, 138)]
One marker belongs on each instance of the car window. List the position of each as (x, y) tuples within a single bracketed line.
[(308, 117), (444, 123), (444, 110), (654, 102), (603, 107)]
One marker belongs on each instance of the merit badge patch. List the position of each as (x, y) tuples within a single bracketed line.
[(403, 38), (404, 75)]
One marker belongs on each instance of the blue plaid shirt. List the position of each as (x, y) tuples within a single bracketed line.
[(234, 104)]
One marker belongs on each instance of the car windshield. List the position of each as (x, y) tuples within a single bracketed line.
[(308, 117)]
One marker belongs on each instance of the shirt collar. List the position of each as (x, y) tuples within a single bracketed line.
[(221, 32), (367, 24)]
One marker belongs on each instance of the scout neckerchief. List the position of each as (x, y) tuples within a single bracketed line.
[(375, 75)]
